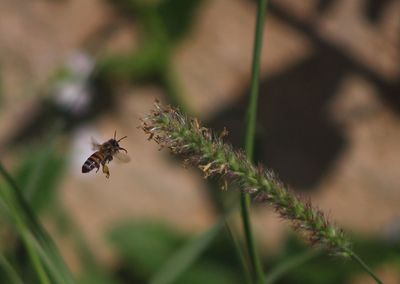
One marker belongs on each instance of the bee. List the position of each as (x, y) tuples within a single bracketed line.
[(104, 154)]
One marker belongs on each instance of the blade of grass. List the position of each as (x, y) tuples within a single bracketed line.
[(185, 256), (40, 166), (275, 273), (48, 259), (250, 134), (16, 219), (33, 254), (12, 275), (30, 223)]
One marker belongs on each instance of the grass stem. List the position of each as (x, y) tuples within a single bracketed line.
[(250, 134), (357, 259), (239, 252), (251, 115)]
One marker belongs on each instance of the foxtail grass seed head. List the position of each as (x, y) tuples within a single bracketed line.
[(200, 147)]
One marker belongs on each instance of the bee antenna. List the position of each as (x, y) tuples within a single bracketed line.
[(115, 134), (122, 138)]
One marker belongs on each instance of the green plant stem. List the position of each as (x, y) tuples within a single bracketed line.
[(250, 134), (255, 76), (356, 258), (255, 261), (239, 251)]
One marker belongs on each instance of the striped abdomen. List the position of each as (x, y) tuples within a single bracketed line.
[(93, 162)]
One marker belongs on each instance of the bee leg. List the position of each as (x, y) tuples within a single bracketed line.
[(105, 170), (98, 168)]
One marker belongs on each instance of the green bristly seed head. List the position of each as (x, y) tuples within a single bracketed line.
[(204, 149)]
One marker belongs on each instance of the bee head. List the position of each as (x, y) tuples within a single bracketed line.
[(115, 143)]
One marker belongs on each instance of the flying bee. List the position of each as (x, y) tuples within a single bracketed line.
[(104, 154)]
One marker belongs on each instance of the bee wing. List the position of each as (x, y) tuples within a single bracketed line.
[(95, 145), (122, 157)]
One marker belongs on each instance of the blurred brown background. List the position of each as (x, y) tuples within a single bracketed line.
[(329, 108)]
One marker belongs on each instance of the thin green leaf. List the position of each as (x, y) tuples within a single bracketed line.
[(39, 172), (283, 267), (210, 272), (186, 255), (32, 231), (239, 251), (12, 275), (18, 221)]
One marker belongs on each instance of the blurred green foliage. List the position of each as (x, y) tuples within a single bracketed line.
[(186, 255), (168, 20), (32, 252), (330, 270), (145, 246), (38, 175), (162, 25)]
